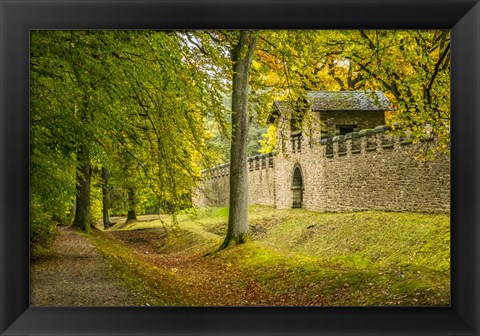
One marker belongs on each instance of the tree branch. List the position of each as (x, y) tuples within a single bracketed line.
[(435, 72)]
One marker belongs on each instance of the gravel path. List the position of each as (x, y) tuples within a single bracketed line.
[(76, 275)]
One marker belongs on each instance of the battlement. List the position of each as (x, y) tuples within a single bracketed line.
[(217, 171), (373, 169), (257, 162), (367, 140), (377, 139)]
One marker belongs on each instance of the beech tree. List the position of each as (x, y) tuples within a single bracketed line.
[(241, 51), (100, 95), (105, 199)]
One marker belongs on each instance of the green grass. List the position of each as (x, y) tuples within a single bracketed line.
[(294, 257)]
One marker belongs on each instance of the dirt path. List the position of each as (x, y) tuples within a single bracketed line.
[(76, 275)]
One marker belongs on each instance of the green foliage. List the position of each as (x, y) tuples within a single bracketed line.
[(255, 134), (52, 190), (125, 100), (218, 144), (42, 230), (43, 233)]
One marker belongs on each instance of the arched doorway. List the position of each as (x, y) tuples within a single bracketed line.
[(297, 187)]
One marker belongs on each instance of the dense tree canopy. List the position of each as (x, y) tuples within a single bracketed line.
[(411, 67), (131, 102)]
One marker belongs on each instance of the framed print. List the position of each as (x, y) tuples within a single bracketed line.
[(25, 26)]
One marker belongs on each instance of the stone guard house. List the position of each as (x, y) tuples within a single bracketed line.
[(338, 156)]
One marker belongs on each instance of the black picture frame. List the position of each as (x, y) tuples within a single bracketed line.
[(18, 17)]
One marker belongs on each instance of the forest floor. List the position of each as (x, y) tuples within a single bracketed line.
[(74, 273), (294, 258)]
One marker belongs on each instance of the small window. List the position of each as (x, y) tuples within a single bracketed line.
[(345, 129)]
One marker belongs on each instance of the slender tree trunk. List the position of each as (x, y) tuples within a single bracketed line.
[(242, 54), (131, 205), (82, 213), (105, 205)]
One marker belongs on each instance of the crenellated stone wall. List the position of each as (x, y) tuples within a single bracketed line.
[(214, 189), (368, 170)]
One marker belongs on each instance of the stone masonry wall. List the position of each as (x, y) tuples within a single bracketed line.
[(214, 189), (362, 120), (367, 171)]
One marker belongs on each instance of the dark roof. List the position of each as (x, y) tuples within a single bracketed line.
[(342, 101), (348, 101)]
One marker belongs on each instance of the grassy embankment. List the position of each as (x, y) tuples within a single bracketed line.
[(295, 257)]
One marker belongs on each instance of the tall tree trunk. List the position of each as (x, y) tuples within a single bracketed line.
[(82, 212), (242, 54), (131, 205), (105, 200)]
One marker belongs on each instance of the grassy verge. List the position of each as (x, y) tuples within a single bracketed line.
[(295, 257), (151, 283)]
